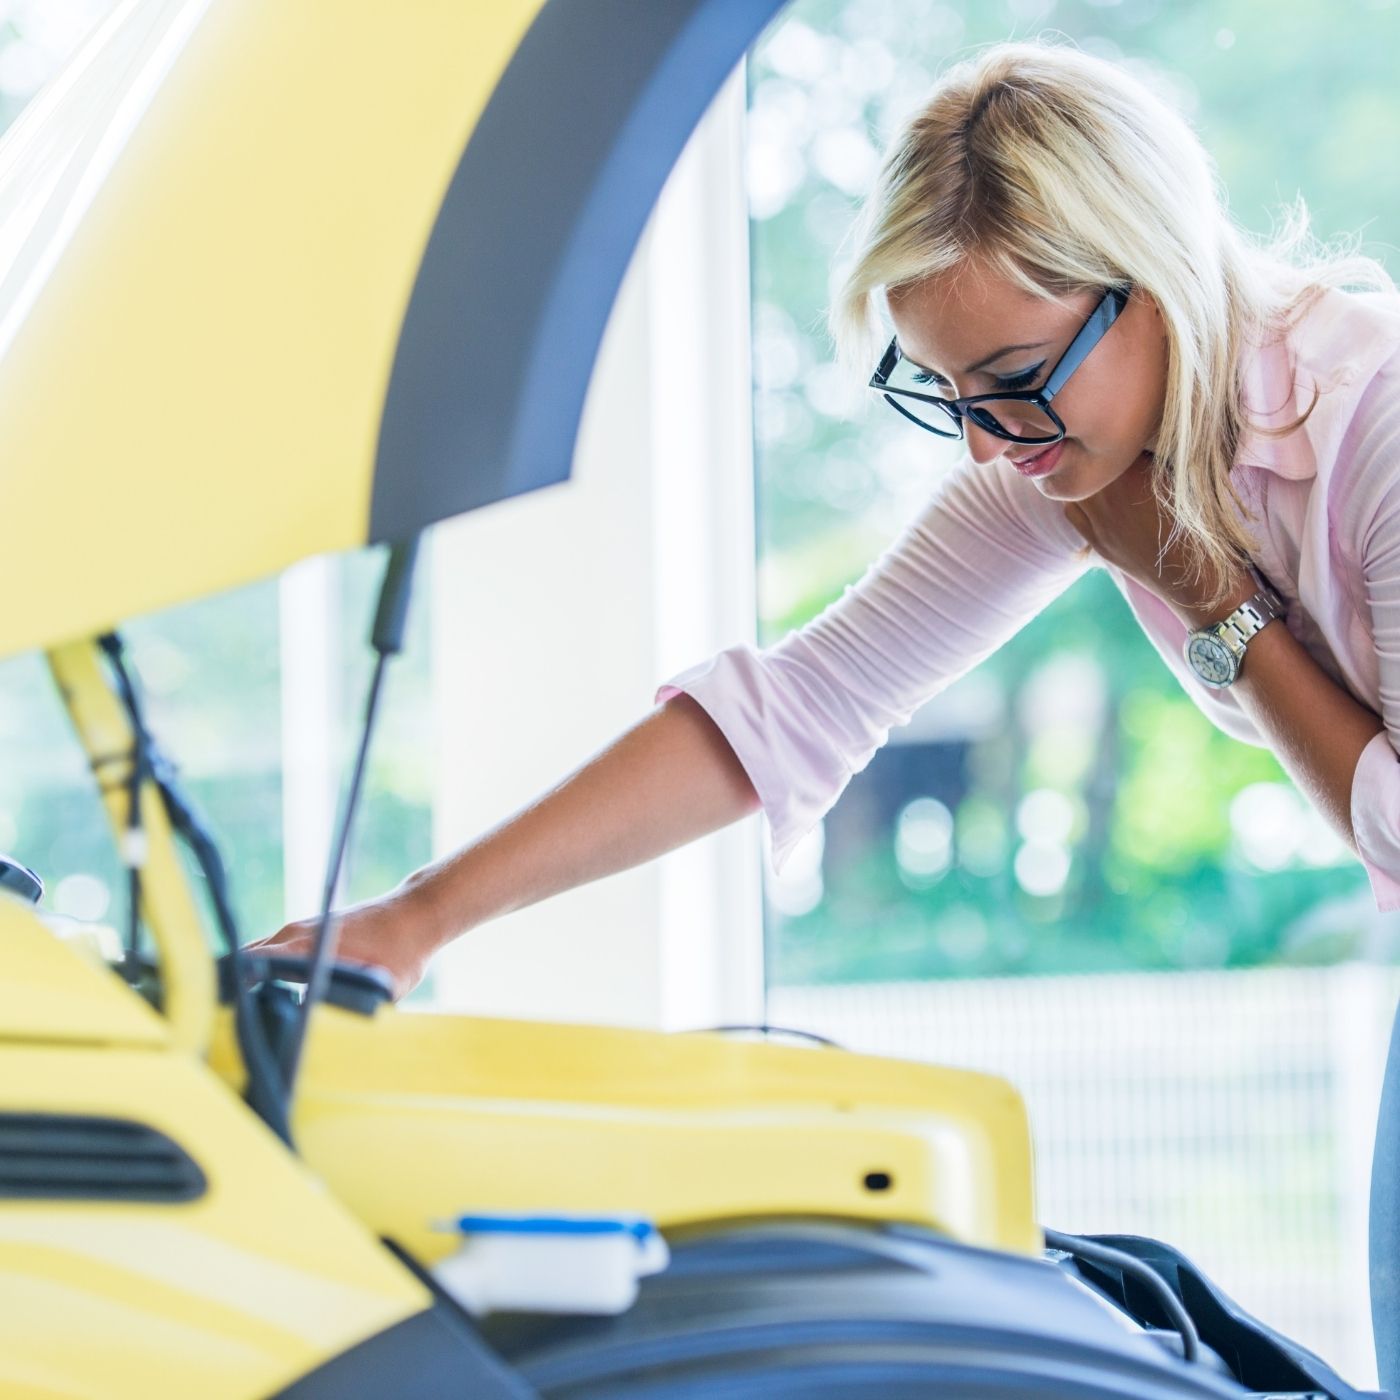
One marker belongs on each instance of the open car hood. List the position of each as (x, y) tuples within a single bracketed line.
[(279, 277)]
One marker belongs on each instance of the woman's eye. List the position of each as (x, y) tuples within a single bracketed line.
[(1024, 380), (926, 379)]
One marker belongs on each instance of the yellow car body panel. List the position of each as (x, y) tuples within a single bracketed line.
[(50, 992), (414, 1118), (265, 186), (228, 1296)]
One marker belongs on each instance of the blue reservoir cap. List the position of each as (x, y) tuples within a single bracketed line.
[(639, 1229)]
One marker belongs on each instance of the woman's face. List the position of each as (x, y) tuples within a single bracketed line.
[(1111, 406)]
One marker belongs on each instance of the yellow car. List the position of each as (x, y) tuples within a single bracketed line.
[(232, 279)]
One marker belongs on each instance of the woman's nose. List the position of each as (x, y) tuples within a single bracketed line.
[(982, 446)]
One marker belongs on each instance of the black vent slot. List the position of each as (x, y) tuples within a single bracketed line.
[(70, 1157)]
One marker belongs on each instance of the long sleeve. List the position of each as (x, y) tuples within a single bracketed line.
[(1375, 789), (984, 556)]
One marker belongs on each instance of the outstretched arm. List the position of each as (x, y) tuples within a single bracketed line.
[(667, 780)]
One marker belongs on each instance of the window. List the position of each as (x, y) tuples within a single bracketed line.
[(994, 889)]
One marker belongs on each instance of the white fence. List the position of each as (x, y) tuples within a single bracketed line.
[(1231, 1114)]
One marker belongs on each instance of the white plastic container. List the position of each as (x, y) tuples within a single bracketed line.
[(551, 1263)]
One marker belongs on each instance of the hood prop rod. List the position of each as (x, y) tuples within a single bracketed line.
[(387, 639)]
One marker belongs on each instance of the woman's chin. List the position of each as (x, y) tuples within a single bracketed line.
[(1075, 478), (1061, 484)]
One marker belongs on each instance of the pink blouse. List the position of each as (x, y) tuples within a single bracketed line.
[(989, 551)]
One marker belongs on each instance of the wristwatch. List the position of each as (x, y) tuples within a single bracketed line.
[(1216, 653)]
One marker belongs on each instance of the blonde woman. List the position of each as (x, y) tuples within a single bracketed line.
[(1214, 423), (1137, 386)]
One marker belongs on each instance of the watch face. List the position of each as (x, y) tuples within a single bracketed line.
[(1211, 659)]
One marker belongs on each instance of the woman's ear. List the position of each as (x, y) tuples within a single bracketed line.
[(1153, 310)]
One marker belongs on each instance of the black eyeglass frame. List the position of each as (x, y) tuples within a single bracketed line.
[(1089, 334)]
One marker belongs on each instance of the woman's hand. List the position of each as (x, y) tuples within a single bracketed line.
[(1127, 526), (390, 932)]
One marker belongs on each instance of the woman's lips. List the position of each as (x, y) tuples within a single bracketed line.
[(1043, 463)]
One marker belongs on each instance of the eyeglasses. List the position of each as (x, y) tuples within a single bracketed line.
[(1022, 415)]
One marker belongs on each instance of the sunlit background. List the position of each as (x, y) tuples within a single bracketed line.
[(1058, 870)]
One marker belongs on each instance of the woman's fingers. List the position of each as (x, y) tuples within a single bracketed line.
[(291, 939), (364, 940)]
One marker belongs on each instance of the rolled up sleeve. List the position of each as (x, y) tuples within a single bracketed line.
[(986, 554), (769, 706), (1370, 526), (1375, 818)]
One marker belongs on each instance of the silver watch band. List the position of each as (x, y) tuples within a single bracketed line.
[(1250, 618)]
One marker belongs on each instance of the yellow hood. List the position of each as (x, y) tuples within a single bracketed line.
[(288, 276)]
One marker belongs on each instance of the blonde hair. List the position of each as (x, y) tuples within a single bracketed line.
[(1063, 173)]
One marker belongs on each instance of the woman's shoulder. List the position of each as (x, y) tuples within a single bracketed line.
[(1344, 335), (1349, 347), (1331, 368)]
